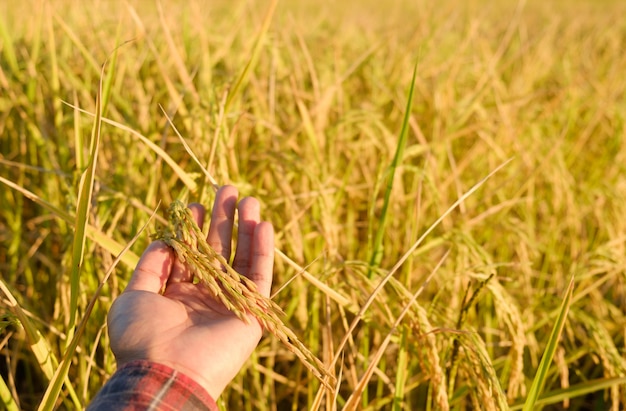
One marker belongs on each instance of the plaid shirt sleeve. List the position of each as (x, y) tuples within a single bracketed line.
[(144, 385)]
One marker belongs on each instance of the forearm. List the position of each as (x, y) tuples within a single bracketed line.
[(143, 385)]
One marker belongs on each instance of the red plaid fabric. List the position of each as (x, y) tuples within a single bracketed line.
[(144, 385)]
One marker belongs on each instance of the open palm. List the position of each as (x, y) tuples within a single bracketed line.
[(162, 316)]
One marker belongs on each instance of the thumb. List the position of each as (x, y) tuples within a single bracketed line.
[(153, 269)]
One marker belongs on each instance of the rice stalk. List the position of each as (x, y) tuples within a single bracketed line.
[(508, 313), (238, 293), (433, 363), (478, 367), (376, 357)]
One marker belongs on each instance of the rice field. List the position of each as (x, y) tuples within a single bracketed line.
[(447, 184)]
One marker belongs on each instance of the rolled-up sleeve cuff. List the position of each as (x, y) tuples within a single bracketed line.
[(145, 385)]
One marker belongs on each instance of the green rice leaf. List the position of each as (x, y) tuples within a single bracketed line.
[(548, 354), (81, 218), (574, 391), (5, 396), (377, 248)]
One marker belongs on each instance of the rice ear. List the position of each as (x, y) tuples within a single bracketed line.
[(235, 291)]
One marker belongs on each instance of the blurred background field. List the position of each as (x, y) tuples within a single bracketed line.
[(306, 114)]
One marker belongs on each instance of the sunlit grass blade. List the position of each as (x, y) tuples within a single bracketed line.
[(254, 56), (185, 177), (406, 255), (352, 403), (8, 402), (41, 350), (60, 374), (548, 353), (39, 346), (402, 372), (175, 56), (130, 259), (107, 82), (79, 151), (377, 246), (85, 190), (8, 49), (324, 288), (191, 153), (574, 391)]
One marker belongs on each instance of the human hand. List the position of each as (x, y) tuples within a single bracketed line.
[(163, 317)]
